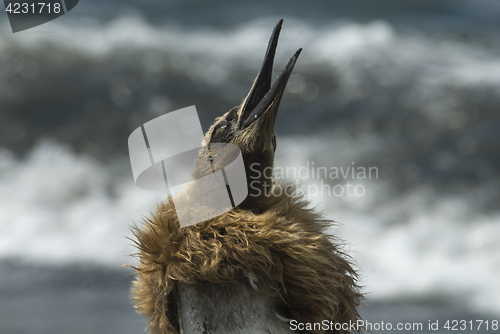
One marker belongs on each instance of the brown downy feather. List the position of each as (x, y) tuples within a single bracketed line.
[(284, 247)]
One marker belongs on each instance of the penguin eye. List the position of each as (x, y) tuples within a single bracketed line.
[(219, 128)]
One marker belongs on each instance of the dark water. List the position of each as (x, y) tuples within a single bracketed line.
[(430, 16), (45, 300)]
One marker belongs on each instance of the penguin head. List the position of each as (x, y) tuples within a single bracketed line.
[(250, 126)]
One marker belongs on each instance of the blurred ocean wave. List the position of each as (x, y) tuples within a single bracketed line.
[(431, 103), (59, 208)]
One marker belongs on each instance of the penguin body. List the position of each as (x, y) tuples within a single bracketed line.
[(256, 267), (232, 308)]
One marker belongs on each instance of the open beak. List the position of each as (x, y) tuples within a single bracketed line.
[(264, 99)]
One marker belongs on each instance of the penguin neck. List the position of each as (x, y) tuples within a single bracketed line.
[(259, 178), (259, 170)]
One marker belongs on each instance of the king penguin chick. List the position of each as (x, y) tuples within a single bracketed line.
[(262, 266)]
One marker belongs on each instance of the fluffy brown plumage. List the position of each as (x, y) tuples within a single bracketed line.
[(284, 247)]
